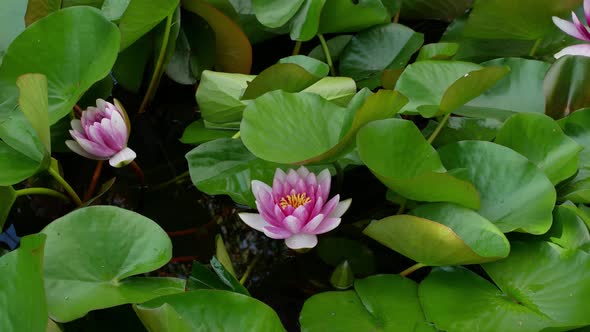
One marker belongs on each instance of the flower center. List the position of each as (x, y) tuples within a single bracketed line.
[(295, 200)]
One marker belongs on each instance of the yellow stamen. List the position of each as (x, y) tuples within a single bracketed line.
[(295, 200)]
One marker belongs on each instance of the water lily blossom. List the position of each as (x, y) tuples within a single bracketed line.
[(296, 208), (102, 133), (577, 30)]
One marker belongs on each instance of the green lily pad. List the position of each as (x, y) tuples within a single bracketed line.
[(489, 309), (541, 140), (291, 74), (577, 126), (566, 86), (207, 310), (15, 166), (274, 14), (378, 303), (568, 230), (22, 297), (33, 103), (287, 128), (525, 19), (359, 15), (364, 108), (335, 45), (338, 90), (441, 234), (463, 129), (526, 298), (219, 95), (7, 197), (91, 255), (438, 51), (305, 24), (79, 36), (196, 133), (515, 194), (387, 46), (521, 90), (225, 166), (397, 153), (12, 22), (425, 82), (445, 10), (142, 16)]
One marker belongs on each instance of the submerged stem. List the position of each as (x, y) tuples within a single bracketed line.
[(94, 181), (41, 191), (411, 269), (339, 176), (327, 54), (139, 173), (158, 70), (75, 198), (297, 48), (535, 47), (439, 128), (177, 179), (249, 270)]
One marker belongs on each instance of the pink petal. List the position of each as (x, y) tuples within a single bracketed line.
[(94, 135), (330, 205), (292, 224), (253, 220), (568, 27), (93, 148), (101, 104), (262, 192), (587, 10), (311, 180), (313, 224), (277, 188), (303, 172), (280, 175), (324, 179), (119, 128), (301, 241), (301, 213), (582, 29), (268, 214), (279, 215), (122, 158), (327, 225), (276, 232), (319, 204), (74, 146), (292, 178), (300, 186), (582, 49), (340, 209)]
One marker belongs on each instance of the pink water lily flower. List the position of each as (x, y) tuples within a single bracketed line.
[(102, 133), (296, 208), (577, 30)]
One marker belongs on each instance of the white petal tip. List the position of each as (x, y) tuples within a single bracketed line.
[(301, 241), (122, 158)]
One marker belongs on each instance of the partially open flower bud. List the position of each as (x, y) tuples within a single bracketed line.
[(102, 133)]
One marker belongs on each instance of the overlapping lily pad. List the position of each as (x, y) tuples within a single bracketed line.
[(437, 87), (441, 234), (397, 153), (526, 298), (91, 255), (577, 126), (79, 36), (515, 194), (207, 310), (566, 86), (382, 302), (359, 15), (387, 46), (22, 296), (539, 138)]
